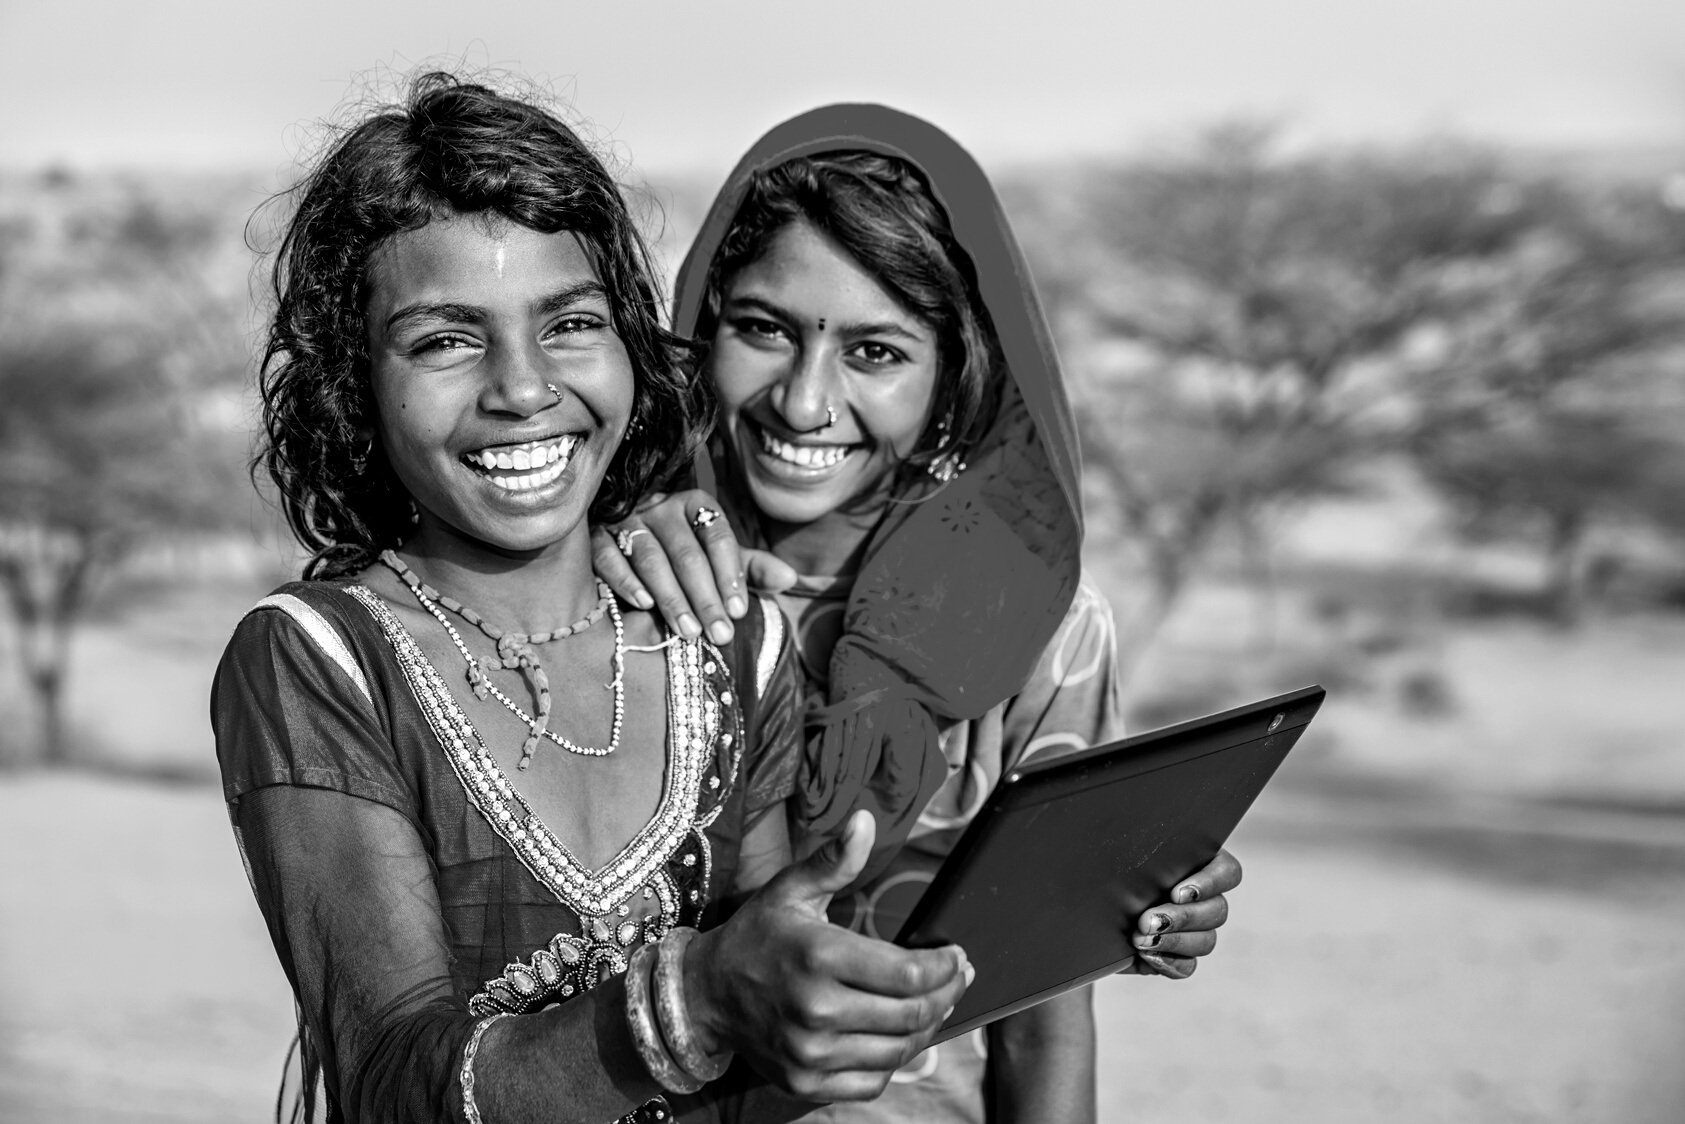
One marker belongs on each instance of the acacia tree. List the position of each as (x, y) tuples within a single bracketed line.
[(1559, 404), (104, 359), (1259, 305)]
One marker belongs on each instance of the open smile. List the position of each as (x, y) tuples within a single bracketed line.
[(799, 459), (528, 465)]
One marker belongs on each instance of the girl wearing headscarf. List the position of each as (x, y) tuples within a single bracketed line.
[(894, 429)]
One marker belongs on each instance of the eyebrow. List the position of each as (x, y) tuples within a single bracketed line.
[(875, 328), (572, 295), (473, 314)]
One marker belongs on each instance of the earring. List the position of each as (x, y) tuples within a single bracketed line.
[(945, 468), (360, 460)]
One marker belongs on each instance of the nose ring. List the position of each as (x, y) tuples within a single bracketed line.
[(830, 416), (552, 388)]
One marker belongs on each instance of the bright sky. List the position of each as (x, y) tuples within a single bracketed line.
[(688, 85)]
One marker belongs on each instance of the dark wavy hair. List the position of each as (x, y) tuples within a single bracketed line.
[(881, 211), (451, 148)]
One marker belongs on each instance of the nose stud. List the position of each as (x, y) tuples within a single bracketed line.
[(830, 416), (553, 390)]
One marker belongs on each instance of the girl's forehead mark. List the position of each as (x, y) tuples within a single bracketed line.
[(500, 255)]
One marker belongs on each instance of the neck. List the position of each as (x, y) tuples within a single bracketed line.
[(536, 591), (830, 545)]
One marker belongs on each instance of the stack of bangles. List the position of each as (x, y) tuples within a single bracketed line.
[(655, 1008)]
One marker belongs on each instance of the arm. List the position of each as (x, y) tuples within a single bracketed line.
[(1041, 1063), (347, 889)]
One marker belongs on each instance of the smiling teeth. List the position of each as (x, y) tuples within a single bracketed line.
[(807, 456), (551, 459)]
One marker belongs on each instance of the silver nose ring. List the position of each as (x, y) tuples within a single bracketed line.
[(553, 390), (830, 416)]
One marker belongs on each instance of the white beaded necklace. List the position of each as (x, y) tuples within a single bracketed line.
[(482, 684)]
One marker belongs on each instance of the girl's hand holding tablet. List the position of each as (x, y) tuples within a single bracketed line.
[(1171, 938), (826, 1013)]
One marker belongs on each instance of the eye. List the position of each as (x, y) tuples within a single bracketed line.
[(758, 328), (576, 322), (876, 354), (443, 342)]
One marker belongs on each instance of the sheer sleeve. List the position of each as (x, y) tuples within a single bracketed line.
[(347, 889), (1073, 700), (326, 824)]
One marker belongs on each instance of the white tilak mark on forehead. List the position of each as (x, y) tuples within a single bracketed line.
[(498, 258)]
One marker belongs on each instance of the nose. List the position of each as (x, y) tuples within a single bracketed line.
[(518, 380), (805, 394)]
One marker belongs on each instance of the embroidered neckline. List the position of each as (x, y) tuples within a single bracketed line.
[(693, 725)]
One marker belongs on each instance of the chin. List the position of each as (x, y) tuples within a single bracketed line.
[(783, 506)]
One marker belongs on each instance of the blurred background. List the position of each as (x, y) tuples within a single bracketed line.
[(1375, 320)]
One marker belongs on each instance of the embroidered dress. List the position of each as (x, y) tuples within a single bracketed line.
[(341, 744)]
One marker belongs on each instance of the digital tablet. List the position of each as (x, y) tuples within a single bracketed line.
[(1045, 886)]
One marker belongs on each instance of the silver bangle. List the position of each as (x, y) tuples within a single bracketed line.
[(469, 1108), (640, 1014), (670, 1006)]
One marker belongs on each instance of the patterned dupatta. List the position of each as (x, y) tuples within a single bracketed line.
[(961, 585)]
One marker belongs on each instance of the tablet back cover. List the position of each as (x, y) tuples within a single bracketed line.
[(1044, 887)]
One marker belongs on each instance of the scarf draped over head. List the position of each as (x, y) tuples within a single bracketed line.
[(961, 585)]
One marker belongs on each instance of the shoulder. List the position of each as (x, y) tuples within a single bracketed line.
[(1086, 639), (305, 624), (303, 697), (1073, 697)]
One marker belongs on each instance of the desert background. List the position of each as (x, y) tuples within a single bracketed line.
[(1374, 318)]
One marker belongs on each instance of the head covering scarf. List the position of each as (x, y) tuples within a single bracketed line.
[(962, 584)]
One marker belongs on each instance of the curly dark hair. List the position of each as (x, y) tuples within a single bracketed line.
[(882, 212), (451, 148)]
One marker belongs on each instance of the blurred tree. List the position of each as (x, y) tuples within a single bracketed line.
[(1255, 307), (1558, 404), (109, 354)]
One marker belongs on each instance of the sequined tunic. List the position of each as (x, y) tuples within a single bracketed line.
[(323, 688)]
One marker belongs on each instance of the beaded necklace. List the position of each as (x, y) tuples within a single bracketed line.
[(515, 652)]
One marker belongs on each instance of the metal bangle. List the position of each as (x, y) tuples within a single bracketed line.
[(640, 1014), (670, 1006), (623, 539), (469, 1052)]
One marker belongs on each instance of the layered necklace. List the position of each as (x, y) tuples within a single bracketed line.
[(516, 651)]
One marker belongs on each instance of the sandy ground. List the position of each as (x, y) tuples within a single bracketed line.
[(1363, 976)]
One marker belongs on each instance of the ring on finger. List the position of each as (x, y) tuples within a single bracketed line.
[(704, 517), (623, 539)]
